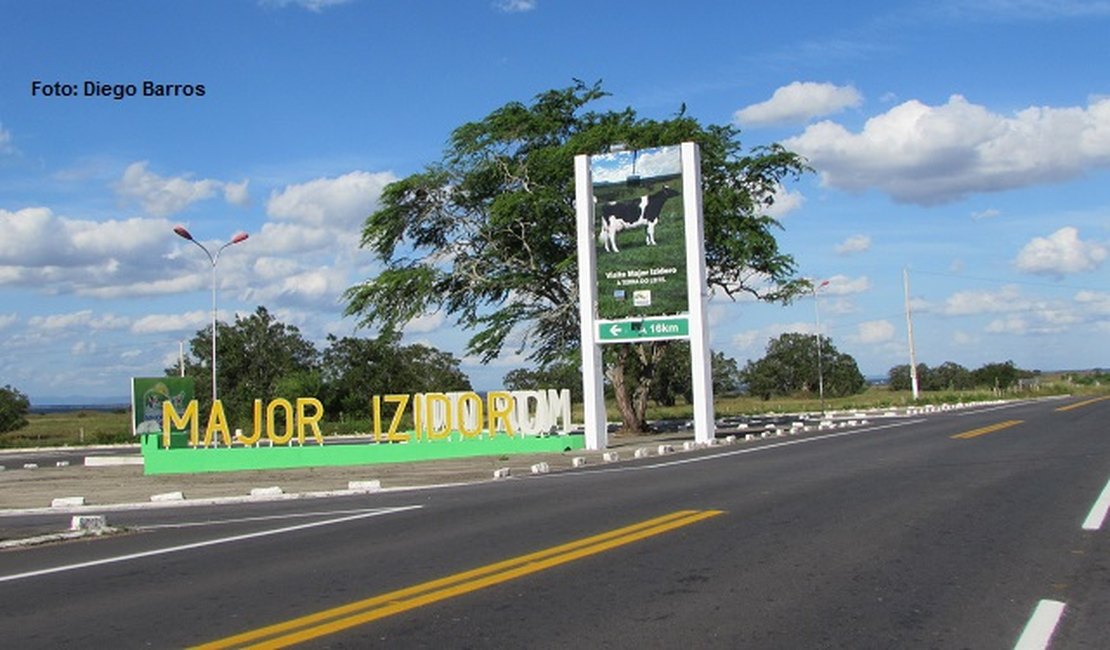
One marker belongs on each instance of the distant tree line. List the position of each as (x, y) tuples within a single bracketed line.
[(953, 376), (259, 357)]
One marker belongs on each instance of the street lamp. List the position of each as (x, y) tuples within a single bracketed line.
[(820, 369), (213, 258)]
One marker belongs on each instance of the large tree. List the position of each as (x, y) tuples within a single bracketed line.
[(258, 357), (14, 406), (790, 366), (488, 232)]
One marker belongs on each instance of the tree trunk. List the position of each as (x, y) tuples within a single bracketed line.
[(631, 392)]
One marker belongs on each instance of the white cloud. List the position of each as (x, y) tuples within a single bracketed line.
[(854, 244), (55, 253), (279, 238), (935, 154), (6, 140), (319, 288), (515, 6), (967, 303), (161, 196), (1097, 302), (79, 320), (989, 213), (876, 331), (426, 323), (842, 285), (1060, 253), (343, 202), (755, 341), (7, 320), (798, 102), (785, 202), (236, 193), (166, 323), (312, 5)]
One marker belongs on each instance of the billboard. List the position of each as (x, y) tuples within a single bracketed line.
[(641, 234), (147, 395)]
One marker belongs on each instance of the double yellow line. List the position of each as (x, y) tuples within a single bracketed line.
[(966, 435), (1083, 403), (340, 618)]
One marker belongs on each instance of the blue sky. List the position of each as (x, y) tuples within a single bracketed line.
[(968, 141)]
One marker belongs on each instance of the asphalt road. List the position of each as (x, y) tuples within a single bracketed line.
[(890, 535)]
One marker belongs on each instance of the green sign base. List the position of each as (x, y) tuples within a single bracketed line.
[(185, 460)]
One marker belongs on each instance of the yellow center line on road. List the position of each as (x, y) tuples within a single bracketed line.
[(1083, 403), (967, 435), (333, 620)]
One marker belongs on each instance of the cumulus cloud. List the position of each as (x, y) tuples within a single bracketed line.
[(318, 288), (930, 155), (842, 285), (785, 202), (1060, 253), (162, 196), (7, 320), (36, 237), (854, 244), (166, 323), (342, 202), (798, 102), (80, 320), (756, 340), (872, 332)]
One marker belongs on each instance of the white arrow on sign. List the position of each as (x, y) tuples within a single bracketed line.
[(615, 330)]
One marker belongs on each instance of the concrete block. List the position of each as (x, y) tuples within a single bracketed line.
[(273, 491), (749, 436), (30, 466), (642, 452), (730, 439), (167, 496), (541, 468), (578, 461), (504, 472), (665, 449), (92, 523), (67, 502), (364, 486), (610, 456), (689, 445), (62, 463)]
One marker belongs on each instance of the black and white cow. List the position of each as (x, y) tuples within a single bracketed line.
[(632, 213)]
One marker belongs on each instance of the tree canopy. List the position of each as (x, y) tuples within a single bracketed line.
[(14, 406), (488, 232), (790, 366)]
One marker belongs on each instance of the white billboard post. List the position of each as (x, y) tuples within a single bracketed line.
[(596, 424), (647, 286)]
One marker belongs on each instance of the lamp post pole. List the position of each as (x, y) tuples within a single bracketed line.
[(820, 368), (213, 258)]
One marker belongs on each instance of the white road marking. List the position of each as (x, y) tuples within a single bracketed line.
[(244, 520), (1098, 511), (1038, 631), (212, 542)]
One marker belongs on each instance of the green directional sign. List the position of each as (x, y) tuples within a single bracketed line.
[(640, 329)]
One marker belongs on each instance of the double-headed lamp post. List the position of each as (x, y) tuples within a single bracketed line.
[(213, 258)]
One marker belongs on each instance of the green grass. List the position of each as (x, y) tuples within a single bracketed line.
[(73, 428)]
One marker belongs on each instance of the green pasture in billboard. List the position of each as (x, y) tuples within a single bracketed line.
[(641, 242)]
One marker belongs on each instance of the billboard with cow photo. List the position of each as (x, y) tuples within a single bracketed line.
[(641, 245)]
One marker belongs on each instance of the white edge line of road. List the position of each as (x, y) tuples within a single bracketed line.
[(1041, 626), (212, 542), (1097, 515)]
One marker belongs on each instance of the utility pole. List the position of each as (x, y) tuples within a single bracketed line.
[(909, 332)]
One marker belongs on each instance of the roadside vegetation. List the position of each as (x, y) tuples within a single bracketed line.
[(90, 427)]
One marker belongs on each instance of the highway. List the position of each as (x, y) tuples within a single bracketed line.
[(976, 528)]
